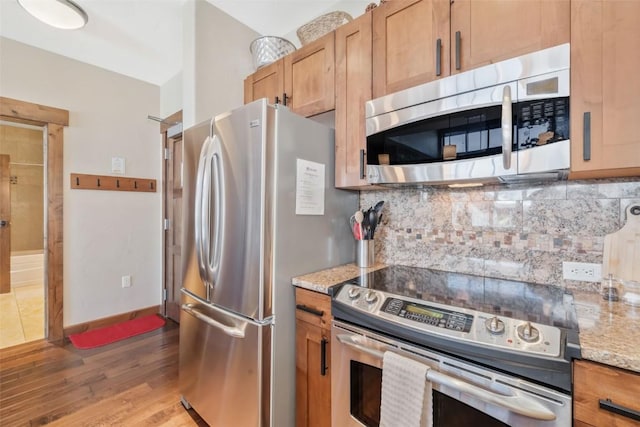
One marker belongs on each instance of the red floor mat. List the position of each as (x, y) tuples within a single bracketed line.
[(107, 335)]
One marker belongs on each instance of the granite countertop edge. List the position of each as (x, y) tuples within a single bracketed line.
[(609, 331)]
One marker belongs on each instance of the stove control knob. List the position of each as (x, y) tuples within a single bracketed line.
[(494, 325), (371, 297), (354, 293), (527, 332)]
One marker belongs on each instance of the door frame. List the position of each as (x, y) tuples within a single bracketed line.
[(166, 124), (53, 120)]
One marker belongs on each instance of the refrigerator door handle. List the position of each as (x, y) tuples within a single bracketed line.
[(229, 330), (218, 192), (203, 191)]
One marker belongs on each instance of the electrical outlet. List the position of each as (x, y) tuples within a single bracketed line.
[(126, 281), (583, 271)]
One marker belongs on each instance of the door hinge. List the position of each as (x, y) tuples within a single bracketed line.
[(167, 154), (166, 223), (164, 294)]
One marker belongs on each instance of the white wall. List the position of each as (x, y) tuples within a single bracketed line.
[(216, 59), (171, 96), (107, 234)]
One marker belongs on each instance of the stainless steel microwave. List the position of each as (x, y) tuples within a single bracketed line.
[(502, 122)]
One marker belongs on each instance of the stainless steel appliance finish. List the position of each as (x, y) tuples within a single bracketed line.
[(542, 75), (498, 398), (243, 244), (461, 324), (499, 350)]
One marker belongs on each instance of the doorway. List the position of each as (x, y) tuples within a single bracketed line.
[(52, 121), (171, 130), (22, 277)]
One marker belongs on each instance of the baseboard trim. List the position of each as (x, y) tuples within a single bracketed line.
[(111, 320)]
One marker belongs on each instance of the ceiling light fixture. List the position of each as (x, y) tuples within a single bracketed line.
[(63, 14)]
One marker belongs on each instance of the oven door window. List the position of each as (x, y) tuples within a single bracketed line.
[(366, 397), (366, 389)]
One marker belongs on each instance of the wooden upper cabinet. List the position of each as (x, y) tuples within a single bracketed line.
[(353, 89), (405, 41), (309, 77), (266, 82), (605, 90), (495, 30)]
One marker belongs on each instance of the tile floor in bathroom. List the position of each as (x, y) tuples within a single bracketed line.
[(22, 315)]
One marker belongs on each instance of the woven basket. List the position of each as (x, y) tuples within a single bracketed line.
[(321, 26), (268, 49)]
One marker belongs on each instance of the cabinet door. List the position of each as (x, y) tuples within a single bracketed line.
[(313, 377), (494, 30), (593, 384), (267, 82), (406, 35), (353, 89), (605, 88), (309, 77)]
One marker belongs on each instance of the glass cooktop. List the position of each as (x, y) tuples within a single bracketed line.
[(543, 304)]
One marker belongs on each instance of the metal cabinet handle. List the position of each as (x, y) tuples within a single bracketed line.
[(438, 57), (361, 164), (518, 404), (586, 136), (285, 99), (323, 356), (608, 405), (458, 50), (507, 127), (277, 100), (311, 310), (4, 223)]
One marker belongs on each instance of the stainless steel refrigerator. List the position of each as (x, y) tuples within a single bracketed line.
[(260, 207)]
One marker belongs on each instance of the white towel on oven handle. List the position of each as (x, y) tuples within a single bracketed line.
[(406, 394)]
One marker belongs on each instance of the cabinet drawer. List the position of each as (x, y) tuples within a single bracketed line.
[(313, 307), (594, 383)]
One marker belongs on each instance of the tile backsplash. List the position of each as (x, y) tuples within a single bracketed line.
[(518, 232)]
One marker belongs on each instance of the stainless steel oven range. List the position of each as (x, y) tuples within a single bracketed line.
[(499, 351)]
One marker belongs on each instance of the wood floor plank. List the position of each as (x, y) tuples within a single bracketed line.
[(131, 382)]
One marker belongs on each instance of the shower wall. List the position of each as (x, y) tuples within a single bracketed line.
[(24, 145)]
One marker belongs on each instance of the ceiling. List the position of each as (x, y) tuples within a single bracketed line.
[(143, 38)]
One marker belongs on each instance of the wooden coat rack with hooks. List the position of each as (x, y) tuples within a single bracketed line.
[(81, 181)]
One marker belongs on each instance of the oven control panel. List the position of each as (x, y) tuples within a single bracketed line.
[(429, 315), (454, 323)]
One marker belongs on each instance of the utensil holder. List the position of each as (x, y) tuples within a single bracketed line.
[(365, 253)]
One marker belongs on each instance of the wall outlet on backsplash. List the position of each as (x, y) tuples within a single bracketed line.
[(583, 271)]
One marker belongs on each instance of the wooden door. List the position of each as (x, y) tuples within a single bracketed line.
[(410, 44), (494, 30), (5, 220), (605, 89), (313, 379), (173, 226), (309, 77), (353, 89), (267, 82)]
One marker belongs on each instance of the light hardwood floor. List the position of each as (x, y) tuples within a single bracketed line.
[(129, 383)]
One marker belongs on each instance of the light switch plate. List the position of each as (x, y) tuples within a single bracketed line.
[(117, 165)]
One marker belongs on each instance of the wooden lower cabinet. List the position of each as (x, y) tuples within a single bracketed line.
[(594, 383), (313, 359)]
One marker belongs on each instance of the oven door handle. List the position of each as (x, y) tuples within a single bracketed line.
[(517, 404)]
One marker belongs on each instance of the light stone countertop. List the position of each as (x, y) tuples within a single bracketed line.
[(609, 331), (321, 281)]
